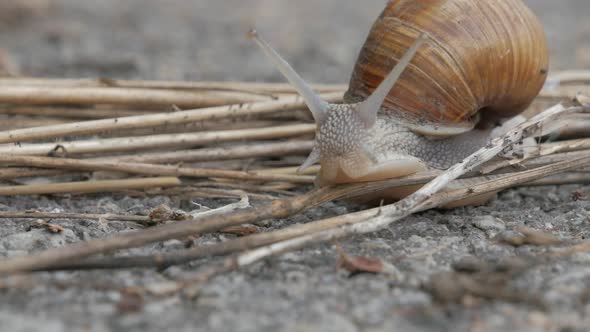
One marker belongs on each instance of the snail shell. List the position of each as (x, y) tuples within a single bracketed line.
[(482, 55), (428, 68)]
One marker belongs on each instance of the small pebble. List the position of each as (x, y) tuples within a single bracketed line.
[(489, 224)]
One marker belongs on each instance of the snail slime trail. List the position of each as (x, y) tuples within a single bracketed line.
[(427, 72)]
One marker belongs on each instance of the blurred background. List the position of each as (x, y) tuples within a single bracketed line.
[(205, 39)]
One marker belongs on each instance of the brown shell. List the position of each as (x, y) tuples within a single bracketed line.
[(488, 55)]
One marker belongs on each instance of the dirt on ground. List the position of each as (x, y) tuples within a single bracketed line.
[(300, 291)]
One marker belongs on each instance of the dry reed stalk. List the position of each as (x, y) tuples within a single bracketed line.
[(71, 112), (569, 77), (564, 146), (278, 208), (146, 169), (252, 87), (89, 186), (552, 150), (562, 179), (555, 78), (312, 170), (475, 186), (63, 215), (123, 144), (155, 120), (566, 92), (274, 188), (62, 258), (21, 122), (426, 197), (284, 207), (55, 95), (272, 149), (195, 127), (546, 159), (214, 193), (14, 173)]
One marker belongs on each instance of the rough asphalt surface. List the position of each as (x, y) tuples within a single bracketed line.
[(300, 291)]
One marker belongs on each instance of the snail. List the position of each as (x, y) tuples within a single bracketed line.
[(432, 83)]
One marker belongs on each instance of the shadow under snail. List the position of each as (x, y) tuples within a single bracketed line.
[(430, 86)]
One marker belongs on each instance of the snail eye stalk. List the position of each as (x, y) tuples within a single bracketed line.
[(368, 109), (317, 105)]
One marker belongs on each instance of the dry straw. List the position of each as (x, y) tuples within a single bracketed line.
[(255, 161)]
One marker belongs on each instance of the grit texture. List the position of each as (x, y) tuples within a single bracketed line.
[(303, 290)]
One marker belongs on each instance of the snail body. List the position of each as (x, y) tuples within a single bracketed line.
[(431, 81)]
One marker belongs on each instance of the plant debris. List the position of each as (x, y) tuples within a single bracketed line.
[(241, 230), (53, 228), (477, 278), (131, 301), (163, 213), (526, 235), (361, 264), (580, 195)]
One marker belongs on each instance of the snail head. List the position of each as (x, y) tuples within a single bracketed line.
[(343, 130)]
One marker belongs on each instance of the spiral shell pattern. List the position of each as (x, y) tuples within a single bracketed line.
[(483, 57)]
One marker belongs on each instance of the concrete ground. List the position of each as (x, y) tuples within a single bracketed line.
[(300, 291)]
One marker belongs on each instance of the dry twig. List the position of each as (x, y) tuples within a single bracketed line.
[(477, 186), (146, 169), (71, 112), (157, 141), (284, 207), (55, 95), (89, 186), (251, 87), (66, 215), (154, 120), (271, 149)]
